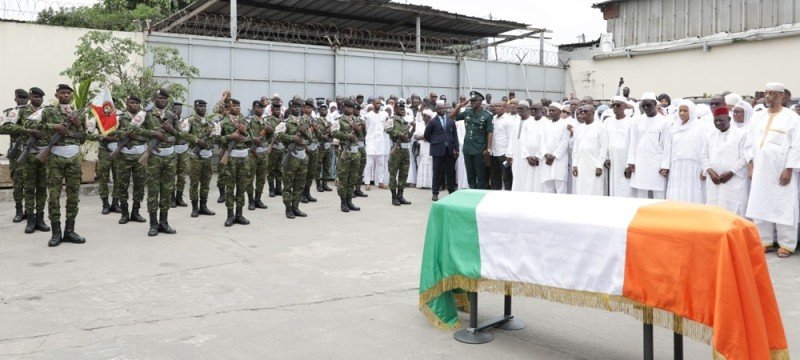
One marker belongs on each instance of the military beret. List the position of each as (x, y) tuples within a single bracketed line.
[(476, 95), (162, 92), (234, 101), (63, 87), (21, 93), (276, 104), (134, 98), (37, 91), (310, 103), (350, 103), (296, 102), (257, 104), (359, 96), (200, 102)]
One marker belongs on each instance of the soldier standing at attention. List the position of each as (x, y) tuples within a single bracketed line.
[(324, 155), (478, 139), (201, 136), (235, 140), (181, 157), (276, 151), (35, 187), (161, 163), (63, 164), (361, 134), (347, 168), (259, 158), (12, 125), (400, 133), (128, 166), (293, 133), (221, 111), (313, 150), (107, 171)]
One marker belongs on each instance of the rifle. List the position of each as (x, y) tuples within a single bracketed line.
[(303, 131), (227, 154), (151, 146), (26, 151), (14, 151), (44, 154), (122, 143)]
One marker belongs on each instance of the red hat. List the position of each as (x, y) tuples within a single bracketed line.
[(720, 111)]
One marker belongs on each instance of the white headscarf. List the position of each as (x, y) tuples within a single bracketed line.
[(702, 110), (748, 113), (678, 125)]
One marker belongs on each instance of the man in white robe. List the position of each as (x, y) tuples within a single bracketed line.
[(725, 160), (555, 150), (589, 151), (648, 151), (376, 146), (514, 149), (618, 130), (773, 202), (531, 150)]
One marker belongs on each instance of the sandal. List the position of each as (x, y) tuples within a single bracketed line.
[(768, 249), (367, 187), (783, 253)]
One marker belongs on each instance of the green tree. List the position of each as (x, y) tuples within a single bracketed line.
[(120, 15), (102, 58)]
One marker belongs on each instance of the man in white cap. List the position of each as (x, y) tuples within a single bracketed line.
[(555, 152), (527, 174), (648, 151), (589, 151), (516, 181), (773, 202), (618, 130), (376, 145)]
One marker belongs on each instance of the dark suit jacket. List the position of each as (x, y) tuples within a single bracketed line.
[(443, 140)]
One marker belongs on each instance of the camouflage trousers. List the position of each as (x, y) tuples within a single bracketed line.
[(35, 184), (160, 182), (362, 164), (181, 169), (106, 170), (294, 179), (237, 173), (324, 163), (274, 170), (199, 177), (221, 174), (347, 171), (258, 172), (18, 179), (313, 166), (128, 168), (398, 168), (61, 171)]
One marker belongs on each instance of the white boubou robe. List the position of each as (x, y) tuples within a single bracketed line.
[(531, 138), (686, 149), (649, 151), (589, 151), (618, 136), (555, 141), (723, 152), (514, 151)]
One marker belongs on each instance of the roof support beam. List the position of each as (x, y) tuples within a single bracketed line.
[(188, 16)]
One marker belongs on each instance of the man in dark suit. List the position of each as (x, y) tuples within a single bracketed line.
[(441, 134)]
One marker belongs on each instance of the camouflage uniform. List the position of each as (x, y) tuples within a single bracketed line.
[(362, 151), (181, 164), (276, 152), (296, 164), (200, 163), (347, 168), (313, 158), (259, 161), (324, 155), (128, 167), (35, 176), (237, 170), (15, 128), (399, 157)]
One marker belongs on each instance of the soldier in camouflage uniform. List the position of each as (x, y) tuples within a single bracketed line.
[(347, 168), (35, 171), (63, 164), (400, 133), (324, 155), (11, 125), (181, 158), (293, 133), (201, 135), (106, 171), (259, 158), (158, 124), (221, 111), (362, 151), (127, 162), (235, 140), (312, 150), (276, 152)]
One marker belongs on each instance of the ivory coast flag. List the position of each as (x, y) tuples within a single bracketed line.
[(103, 109), (695, 269)]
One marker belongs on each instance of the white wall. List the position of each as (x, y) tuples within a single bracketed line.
[(742, 67), (34, 55)]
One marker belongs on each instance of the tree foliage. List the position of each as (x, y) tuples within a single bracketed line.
[(105, 59), (120, 15)]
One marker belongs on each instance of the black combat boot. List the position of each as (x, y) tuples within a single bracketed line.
[(19, 215), (70, 235), (325, 186), (40, 224), (221, 198), (30, 226), (289, 211), (278, 187), (56, 239), (106, 207), (115, 205), (135, 216), (401, 198), (153, 224), (163, 224), (350, 204), (239, 218), (303, 198), (179, 199), (271, 188), (297, 212), (319, 186), (195, 210), (230, 219), (359, 193), (344, 206), (125, 217), (395, 201), (259, 203), (204, 210), (308, 194), (172, 203), (251, 205)]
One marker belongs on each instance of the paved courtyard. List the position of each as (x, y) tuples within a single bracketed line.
[(330, 286)]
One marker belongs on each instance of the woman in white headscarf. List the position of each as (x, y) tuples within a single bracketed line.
[(686, 181), (333, 112), (425, 160), (742, 112)]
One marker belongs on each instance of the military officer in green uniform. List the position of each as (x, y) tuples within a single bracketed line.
[(201, 136), (259, 158), (478, 139), (276, 151), (35, 171), (312, 150), (159, 128), (347, 168), (324, 155), (294, 134), (235, 140), (361, 134), (129, 169), (13, 126), (181, 157), (400, 133)]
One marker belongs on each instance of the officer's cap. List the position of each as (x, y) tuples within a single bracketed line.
[(21, 93), (476, 95), (162, 92), (257, 104), (323, 106), (64, 87), (234, 101), (134, 98), (177, 103), (401, 104), (200, 102), (37, 91)]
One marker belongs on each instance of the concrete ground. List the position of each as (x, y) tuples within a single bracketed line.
[(330, 286)]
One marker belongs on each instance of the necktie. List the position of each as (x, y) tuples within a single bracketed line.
[(441, 118)]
